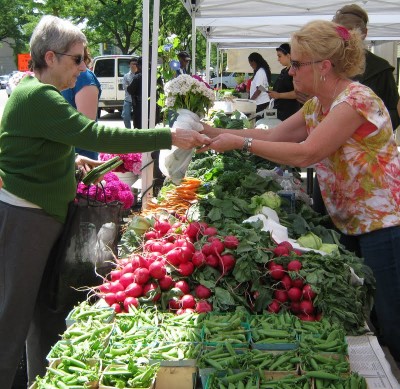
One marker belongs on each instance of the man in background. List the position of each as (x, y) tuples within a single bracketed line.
[(184, 59), (378, 73), (127, 107)]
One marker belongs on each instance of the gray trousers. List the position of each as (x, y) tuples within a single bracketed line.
[(26, 238)]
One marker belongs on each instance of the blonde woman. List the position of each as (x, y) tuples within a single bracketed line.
[(345, 131)]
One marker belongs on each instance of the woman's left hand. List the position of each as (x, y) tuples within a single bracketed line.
[(224, 142), (86, 164), (273, 94)]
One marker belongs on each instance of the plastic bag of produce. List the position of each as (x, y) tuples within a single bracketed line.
[(173, 163)]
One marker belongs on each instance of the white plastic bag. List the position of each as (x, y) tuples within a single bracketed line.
[(173, 163)]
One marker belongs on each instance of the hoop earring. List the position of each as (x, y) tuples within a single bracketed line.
[(322, 78)]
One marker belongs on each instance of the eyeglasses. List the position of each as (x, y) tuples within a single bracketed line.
[(78, 59), (296, 65)]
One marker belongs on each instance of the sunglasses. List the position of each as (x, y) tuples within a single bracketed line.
[(78, 59), (296, 65)]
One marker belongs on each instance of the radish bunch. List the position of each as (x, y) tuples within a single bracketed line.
[(290, 290), (170, 255)]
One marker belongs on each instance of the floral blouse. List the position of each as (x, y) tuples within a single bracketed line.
[(360, 182)]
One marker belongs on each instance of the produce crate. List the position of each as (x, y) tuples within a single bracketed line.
[(176, 361), (287, 382), (183, 377), (103, 384), (106, 313), (275, 363), (91, 362), (278, 346), (327, 362), (213, 379), (246, 332)]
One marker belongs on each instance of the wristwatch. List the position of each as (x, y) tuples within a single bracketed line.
[(247, 145)]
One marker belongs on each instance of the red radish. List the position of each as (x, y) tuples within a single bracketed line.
[(198, 259), (162, 226), (212, 260), (115, 287), (308, 293), (280, 251), (186, 254), (206, 249), (173, 257), (188, 301), (149, 244), (227, 263), (294, 294), (203, 306), (217, 247), (110, 298), (202, 292), (294, 265), (277, 272), (210, 231), (287, 244), (271, 264), (128, 268), (183, 286), (193, 230), (123, 261), (298, 283), (181, 311), (305, 317), (141, 275), (174, 304), (115, 274), (231, 242), (306, 307), (167, 247), (166, 283), (295, 306), (281, 295), (138, 261), (104, 288), (157, 270), (286, 282), (120, 296), (150, 287), (130, 301), (126, 279), (186, 268), (157, 247), (150, 235), (134, 290), (298, 252), (117, 308), (274, 307)]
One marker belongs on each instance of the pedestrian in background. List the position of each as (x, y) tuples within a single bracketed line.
[(84, 96), (260, 81), (38, 134), (283, 93), (184, 59), (127, 107)]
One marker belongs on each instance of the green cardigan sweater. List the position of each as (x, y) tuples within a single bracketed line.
[(38, 132)]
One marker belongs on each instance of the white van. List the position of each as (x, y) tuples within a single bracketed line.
[(110, 71)]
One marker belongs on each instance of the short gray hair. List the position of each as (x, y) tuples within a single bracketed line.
[(53, 34)]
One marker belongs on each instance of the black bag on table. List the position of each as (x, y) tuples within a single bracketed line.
[(84, 253)]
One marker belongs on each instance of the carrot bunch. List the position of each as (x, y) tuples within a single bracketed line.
[(179, 198)]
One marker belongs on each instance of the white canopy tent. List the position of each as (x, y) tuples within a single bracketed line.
[(265, 23)]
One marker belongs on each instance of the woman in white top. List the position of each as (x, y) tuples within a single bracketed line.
[(260, 81)]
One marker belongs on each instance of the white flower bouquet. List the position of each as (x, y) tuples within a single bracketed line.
[(191, 97), (189, 92)]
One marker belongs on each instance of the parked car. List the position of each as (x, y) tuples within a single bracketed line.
[(228, 80), (110, 71), (3, 81)]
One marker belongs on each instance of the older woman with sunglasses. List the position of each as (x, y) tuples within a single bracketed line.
[(38, 132), (346, 133)]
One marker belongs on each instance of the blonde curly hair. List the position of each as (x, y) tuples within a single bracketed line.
[(321, 39)]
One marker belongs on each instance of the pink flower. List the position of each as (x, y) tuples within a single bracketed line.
[(112, 190), (132, 162)]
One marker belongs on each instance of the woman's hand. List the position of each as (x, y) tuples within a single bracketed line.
[(188, 139), (211, 132), (86, 164), (273, 94), (224, 142)]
